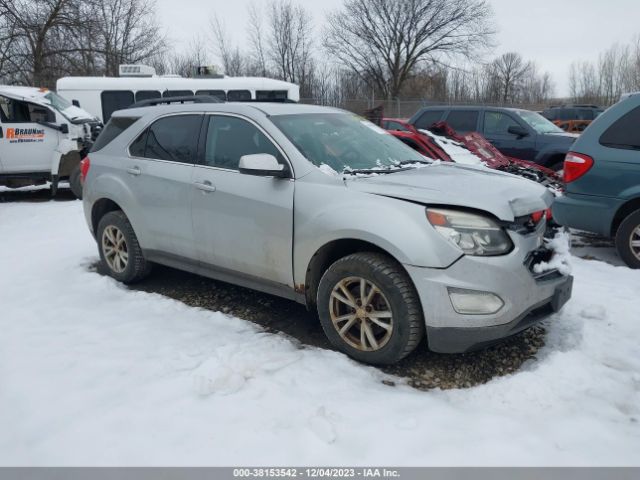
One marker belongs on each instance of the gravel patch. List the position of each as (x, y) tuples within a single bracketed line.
[(422, 369)]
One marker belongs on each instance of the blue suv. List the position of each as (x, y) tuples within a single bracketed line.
[(602, 173), (515, 132)]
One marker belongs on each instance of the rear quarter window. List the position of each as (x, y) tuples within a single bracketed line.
[(115, 126), (624, 132)]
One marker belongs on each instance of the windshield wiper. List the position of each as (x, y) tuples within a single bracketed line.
[(411, 162)]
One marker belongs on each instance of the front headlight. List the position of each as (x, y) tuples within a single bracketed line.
[(473, 234)]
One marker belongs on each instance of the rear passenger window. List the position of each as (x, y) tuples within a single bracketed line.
[(219, 94), (238, 95), (115, 100), (624, 133), (177, 93), (147, 95), (229, 138), (463, 121), (115, 126), (428, 118), (271, 95), (173, 138)]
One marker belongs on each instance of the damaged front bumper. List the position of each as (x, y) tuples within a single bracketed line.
[(517, 296)]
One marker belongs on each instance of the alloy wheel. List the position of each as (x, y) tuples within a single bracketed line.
[(361, 314), (115, 249), (634, 242)]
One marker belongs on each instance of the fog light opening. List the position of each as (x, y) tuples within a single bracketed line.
[(473, 302)]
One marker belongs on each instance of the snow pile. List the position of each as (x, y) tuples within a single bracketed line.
[(92, 373), (561, 260)]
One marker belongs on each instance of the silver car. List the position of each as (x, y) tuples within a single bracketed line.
[(323, 207)]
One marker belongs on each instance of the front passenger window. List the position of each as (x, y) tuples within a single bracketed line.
[(229, 138)]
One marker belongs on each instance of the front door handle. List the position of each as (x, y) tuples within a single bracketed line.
[(205, 186), (134, 171)]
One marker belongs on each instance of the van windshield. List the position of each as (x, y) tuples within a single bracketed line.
[(345, 142)]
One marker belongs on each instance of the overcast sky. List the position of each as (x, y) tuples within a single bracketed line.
[(551, 32)]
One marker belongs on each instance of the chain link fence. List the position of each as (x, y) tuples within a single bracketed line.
[(404, 108)]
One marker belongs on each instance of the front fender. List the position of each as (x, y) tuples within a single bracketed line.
[(326, 213)]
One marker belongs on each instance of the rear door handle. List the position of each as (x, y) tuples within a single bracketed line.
[(205, 186), (134, 171)]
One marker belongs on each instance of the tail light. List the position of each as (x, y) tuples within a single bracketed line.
[(537, 216), (85, 163), (576, 165), (549, 214)]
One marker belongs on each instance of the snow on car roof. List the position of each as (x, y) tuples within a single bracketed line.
[(33, 93)]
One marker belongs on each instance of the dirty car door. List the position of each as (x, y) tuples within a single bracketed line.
[(159, 170), (243, 224)]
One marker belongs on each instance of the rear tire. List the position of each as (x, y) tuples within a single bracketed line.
[(75, 183), (120, 252), (628, 240), (369, 309)]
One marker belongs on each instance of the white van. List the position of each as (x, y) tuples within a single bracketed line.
[(43, 137), (101, 96)]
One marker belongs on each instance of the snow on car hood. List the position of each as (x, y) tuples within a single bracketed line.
[(505, 196)]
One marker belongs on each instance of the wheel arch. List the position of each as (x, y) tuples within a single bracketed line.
[(326, 255), (623, 212), (100, 208)]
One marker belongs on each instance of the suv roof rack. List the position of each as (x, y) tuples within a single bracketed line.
[(201, 99), (169, 100), (575, 105)]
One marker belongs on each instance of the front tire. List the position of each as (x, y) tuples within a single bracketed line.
[(628, 240), (369, 309), (120, 252)]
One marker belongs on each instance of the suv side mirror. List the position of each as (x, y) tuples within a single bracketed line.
[(75, 103), (518, 131), (64, 128), (262, 164)]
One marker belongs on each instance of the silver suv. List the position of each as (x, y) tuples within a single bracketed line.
[(321, 206)]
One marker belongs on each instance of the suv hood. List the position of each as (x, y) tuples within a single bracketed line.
[(501, 194)]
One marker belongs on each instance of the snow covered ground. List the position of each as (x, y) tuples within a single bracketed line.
[(92, 373)]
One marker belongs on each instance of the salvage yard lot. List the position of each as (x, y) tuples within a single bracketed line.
[(94, 373)]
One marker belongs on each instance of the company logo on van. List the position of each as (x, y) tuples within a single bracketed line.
[(25, 135)]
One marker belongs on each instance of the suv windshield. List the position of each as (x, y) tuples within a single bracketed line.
[(538, 122), (345, 142)]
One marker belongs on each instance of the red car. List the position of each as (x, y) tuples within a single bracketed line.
[(441, 140)]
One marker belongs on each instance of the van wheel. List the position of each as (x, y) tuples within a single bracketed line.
[(628, 240), (74, 182), (120, 252), (369, 309)]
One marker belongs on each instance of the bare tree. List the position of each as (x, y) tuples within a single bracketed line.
[(31, 25), (256, 39), (289, 41), (510, 71), (233, 61), (384, 41), (127, 32)]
